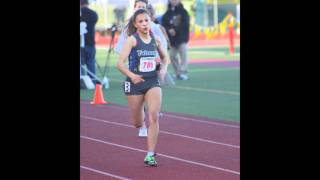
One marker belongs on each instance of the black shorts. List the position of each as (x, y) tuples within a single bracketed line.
[(141, 88)]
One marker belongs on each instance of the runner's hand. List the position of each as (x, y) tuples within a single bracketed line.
[(137, 79)]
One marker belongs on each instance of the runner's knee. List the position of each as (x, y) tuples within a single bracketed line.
[(153, 117)]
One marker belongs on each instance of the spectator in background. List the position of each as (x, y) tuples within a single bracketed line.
[(209, 4), (119, 13), (199, 12), (158, 22), (88, 52), (168, 80), (176, 22), (83, 30)]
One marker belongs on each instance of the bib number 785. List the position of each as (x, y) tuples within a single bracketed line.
[(147, 64)]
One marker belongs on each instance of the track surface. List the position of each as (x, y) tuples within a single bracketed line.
[(188, 147)]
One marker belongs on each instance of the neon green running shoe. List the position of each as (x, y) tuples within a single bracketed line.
[(150, 161)]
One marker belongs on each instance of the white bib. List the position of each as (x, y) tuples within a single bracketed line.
[(147, 64)]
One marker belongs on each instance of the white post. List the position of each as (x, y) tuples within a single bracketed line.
[(215, 16), (206, 19), (105, 12), (238, 19), (238, 13), (131, 7)]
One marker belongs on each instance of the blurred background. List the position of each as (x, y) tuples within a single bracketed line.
[(208, 18)]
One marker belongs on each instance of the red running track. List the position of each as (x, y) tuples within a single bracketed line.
[(188, 147)]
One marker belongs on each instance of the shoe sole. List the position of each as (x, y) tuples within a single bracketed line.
[(150, 165), (142, 136)]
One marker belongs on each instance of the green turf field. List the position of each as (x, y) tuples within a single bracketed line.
[(213, 52), (221, 52), (212, 92)]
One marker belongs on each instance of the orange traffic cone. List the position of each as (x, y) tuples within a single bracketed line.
[(98, 96)]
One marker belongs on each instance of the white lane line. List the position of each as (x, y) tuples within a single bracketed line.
[(174, 116), (167, 156), (213, 69), (164, 132), (207, 90), (104, 173), (201, 121)]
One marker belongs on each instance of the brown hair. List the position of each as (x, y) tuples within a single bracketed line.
[(131, 28)]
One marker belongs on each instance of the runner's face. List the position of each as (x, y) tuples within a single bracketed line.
[(140, 5), (142, 23)]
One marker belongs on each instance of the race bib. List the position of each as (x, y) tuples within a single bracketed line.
[(147, 64)]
